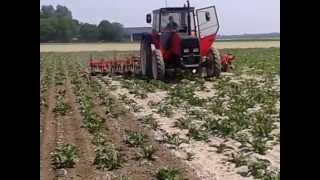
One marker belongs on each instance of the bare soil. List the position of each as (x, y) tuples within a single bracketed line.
[(48, 139)]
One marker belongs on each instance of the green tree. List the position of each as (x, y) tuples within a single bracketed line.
[(89, 32), (47, 30), (76, 28), (58, 25), (117, 31), (64, 29), (105, 30), (110, 31), (63, 12), (47, 11)]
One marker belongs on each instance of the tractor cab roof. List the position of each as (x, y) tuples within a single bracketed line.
[(173, 9)]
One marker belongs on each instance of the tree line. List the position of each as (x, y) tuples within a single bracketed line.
[(58, 25)]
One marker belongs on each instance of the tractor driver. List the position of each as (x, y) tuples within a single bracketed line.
[(172, 25)]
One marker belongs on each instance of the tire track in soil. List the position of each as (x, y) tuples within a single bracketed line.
[(74, 134), (48, 140), (133, 168)]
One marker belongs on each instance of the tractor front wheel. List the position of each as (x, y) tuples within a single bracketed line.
[(214, 63), (158, 67), (146, 58)]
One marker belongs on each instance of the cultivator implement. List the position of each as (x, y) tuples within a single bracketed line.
[(131, 65), (226, 62), (114, 65)]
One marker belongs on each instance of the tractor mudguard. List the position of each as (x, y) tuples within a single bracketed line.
[(205, 44)]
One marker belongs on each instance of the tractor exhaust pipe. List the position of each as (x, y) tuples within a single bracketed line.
[(189, 18)]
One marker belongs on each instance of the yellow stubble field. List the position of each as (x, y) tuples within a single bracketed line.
[(79, 47)]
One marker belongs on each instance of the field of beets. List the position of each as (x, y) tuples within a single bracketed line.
[(128, 127)]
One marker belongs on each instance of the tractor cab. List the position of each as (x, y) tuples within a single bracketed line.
[(173, 19)]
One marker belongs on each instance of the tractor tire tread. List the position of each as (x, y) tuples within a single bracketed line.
[(214, 65), (145, 52), (160, 66)]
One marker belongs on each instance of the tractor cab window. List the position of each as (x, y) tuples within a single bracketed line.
[(155, 22), (176, 21)]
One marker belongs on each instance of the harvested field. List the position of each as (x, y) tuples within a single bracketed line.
[(125, 127), (135, 46)]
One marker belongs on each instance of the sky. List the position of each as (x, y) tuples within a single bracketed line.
[(235, 16)]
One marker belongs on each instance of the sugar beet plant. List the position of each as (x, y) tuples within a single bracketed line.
[(150, 121), (169, 174), (61, 108), (64, 156), (182, 93), (173, 139), (147, 152), (108, 158), (135, 139)]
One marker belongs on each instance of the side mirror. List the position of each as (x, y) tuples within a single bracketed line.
[(148, 18), (207, 16)]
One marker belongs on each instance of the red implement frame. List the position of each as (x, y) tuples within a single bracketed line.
[(121, 66)]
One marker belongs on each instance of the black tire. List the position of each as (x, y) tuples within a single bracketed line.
[(146, 58), (158, 67), (214, 63)]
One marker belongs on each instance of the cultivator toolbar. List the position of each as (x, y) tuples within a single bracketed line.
[(115, 65), (131, 64)]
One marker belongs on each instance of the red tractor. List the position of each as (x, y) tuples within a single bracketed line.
[(182, 38)]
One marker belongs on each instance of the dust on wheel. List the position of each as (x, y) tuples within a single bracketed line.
[(214, 63), (146, 58), (158, 67)]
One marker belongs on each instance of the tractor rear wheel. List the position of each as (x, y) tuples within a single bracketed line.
[(158, 67), (214, 63), (146, 58)]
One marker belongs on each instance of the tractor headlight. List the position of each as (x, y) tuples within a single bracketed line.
[(186, 50), (196, 50)]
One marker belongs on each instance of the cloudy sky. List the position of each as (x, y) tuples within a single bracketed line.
[(235, 16)]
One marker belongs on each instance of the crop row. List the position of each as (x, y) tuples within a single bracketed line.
[(108, 156), (134, 139), (46, 71), (64, 155)]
